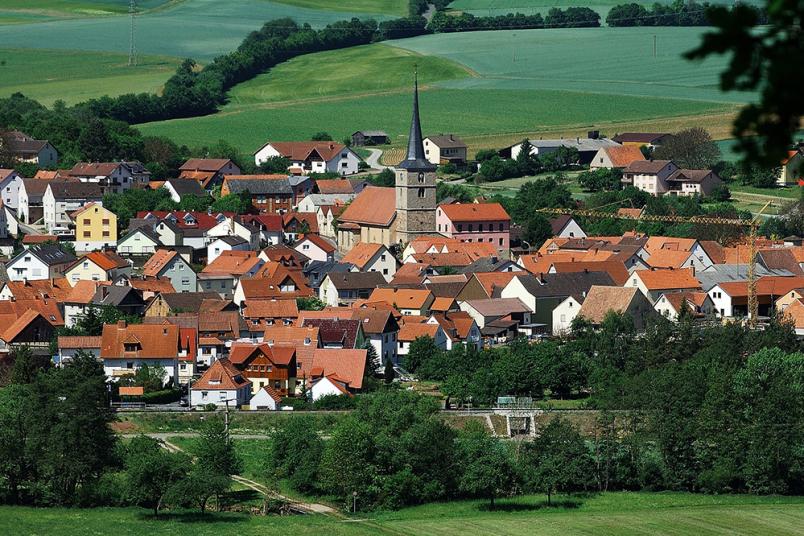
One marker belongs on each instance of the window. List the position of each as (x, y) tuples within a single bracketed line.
[(106, 234), (86, 221), (460, 228), (501, 227), (87, 234), (382, 257), (480, 227), (501, 241), (421, 193), (385, 271), (563, 318), (344, 164), (421, 178), (105, 221), (185, 281)]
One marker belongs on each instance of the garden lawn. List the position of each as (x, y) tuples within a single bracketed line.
[(72, 76), (609, 514)]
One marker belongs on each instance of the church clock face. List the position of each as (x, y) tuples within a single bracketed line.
[(421, 177)]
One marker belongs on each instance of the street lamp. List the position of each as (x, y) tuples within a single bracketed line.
[(354, 502)]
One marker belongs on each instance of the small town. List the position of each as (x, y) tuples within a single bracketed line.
[(415, 327)]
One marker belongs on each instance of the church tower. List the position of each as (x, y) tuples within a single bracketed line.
[(415, 184)]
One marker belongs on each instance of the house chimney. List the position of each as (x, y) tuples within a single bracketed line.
[(25, 282)]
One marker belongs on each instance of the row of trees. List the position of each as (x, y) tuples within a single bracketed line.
[(571, 17), (494, 168), (395, 451), (679, 13), (57, 446), (714, 408)]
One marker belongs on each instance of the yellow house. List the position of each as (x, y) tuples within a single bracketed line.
[(95, 227)]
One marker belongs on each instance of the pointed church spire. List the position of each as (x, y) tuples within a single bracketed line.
[(415, 158)]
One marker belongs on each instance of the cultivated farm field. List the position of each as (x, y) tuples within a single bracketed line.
[(503, 86), (485, 8), (609, 514), (198, 29), (75, 76)]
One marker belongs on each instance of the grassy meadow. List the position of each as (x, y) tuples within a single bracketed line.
[(397, 8), (73, 76), (610, 514)]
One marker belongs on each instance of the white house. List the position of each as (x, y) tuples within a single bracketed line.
[(266, 398), (328, 386), (169, 233), (225, 243), (563, 315), (445, 149), (312, 202), (410, 332), (125, 348), (232, 227), (565, 226), (649, 175), (141, 241), (111, 177), (698, 303), (10, 182), (61, 198), (39, 262), (370, 257), (222, 385), (311, 156), (315, 248)]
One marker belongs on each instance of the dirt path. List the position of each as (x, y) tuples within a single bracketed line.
[(311, 508)]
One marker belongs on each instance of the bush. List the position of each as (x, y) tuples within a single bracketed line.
[(335, 402), (165, 396)]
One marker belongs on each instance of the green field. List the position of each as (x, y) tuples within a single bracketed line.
[(361, 70), (48, 75), (501, 87), (398, 8), (601, 515), (199, 29)]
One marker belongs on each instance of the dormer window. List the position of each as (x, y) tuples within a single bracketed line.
[(307, 341), (131, 347)]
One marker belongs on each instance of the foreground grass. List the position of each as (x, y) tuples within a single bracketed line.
[(73, 76), (604, 514)]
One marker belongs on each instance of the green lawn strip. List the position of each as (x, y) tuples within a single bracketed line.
[(679, 514)]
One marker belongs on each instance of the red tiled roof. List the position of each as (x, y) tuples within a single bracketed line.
[(373, 206), (154, 340), (361, 253), (318, 241), (460, 212), (271, 308), (222, 375), (301, 150), (335, 186), (157, 262), (668, 279), (348, 365), (105, 260), (622, 156), (22, 322), (402, 298), (204, 164), (409, 332)]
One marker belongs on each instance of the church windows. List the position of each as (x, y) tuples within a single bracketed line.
[(421, 179), (421, 193)]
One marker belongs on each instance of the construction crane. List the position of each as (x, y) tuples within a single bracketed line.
[(752, 225)]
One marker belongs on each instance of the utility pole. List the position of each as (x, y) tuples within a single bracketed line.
[(226, 420), (654, 45), (132, 49)]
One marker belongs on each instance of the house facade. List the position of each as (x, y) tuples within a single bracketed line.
[(311, 156), (169, 264), (475, 222), (445, 149), (62, 198), (95, 227)]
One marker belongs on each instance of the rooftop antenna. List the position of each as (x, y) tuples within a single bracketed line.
[(132, 49)]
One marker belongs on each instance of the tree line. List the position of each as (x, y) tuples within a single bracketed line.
[(679, 13), (699, 407), (571, 17), (57, 447)]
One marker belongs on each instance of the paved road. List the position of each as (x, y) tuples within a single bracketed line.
[(373, 160)]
